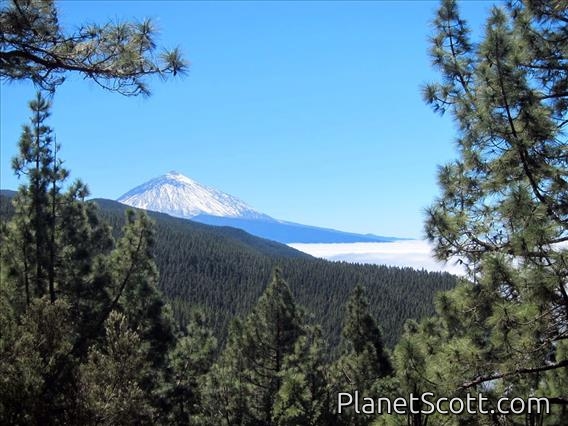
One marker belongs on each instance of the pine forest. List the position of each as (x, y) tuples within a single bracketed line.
[(115, 316)]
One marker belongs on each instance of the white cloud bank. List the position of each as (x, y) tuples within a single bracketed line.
[(416, 254)]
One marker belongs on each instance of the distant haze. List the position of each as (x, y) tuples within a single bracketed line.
[(416, 254)]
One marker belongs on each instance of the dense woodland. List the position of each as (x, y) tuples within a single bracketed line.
[(109, 317), (223, 272)]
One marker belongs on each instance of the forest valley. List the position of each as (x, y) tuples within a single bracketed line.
[(87, 336)]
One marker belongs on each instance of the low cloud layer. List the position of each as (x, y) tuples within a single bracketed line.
[(416, 254)]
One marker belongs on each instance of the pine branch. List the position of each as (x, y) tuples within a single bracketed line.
[(518, 371)]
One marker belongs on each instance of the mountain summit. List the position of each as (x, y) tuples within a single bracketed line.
[(180, 196)]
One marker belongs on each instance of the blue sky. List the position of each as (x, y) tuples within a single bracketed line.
[(309, 111)]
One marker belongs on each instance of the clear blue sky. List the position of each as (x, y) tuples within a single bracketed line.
[(309, 111)]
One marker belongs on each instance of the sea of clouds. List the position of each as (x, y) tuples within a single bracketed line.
[(416, 254)]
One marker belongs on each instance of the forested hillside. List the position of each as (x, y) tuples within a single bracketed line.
[(87, 335), (224, 270)]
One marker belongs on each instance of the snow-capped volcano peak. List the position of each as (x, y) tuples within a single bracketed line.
[(178, 195)]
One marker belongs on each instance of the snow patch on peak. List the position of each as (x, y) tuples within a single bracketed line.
[(180, 196), (179, 177)]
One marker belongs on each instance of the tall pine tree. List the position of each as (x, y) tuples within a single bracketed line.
[(248, 375), (364, 360), (61, 279), (502, 210)]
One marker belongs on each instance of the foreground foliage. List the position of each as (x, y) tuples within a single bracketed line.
[(85, 337), (63, 278), (503, 211), (117, 56)]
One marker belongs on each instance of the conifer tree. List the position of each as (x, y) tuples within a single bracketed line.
[(418, 372), (135, 291), (34, 205), (223, 388), (503, 205), (52, 244), (248, 375), (32, 345), (60, 278), (189, 361), (364, 361), (269, 335), (50, 252), (305, 396), (111, 379), (60, 281)]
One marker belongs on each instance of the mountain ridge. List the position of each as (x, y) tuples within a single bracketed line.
[(289, 232), (180, 196)]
